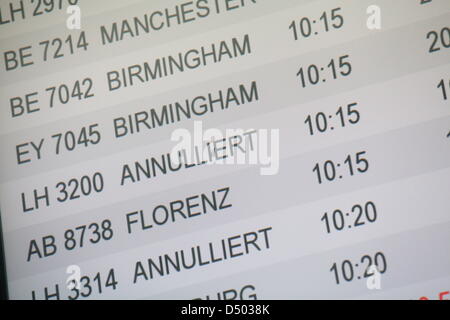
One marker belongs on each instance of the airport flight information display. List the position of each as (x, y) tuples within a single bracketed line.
[(225, 149)]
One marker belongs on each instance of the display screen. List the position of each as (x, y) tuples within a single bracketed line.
[(225, 149)]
